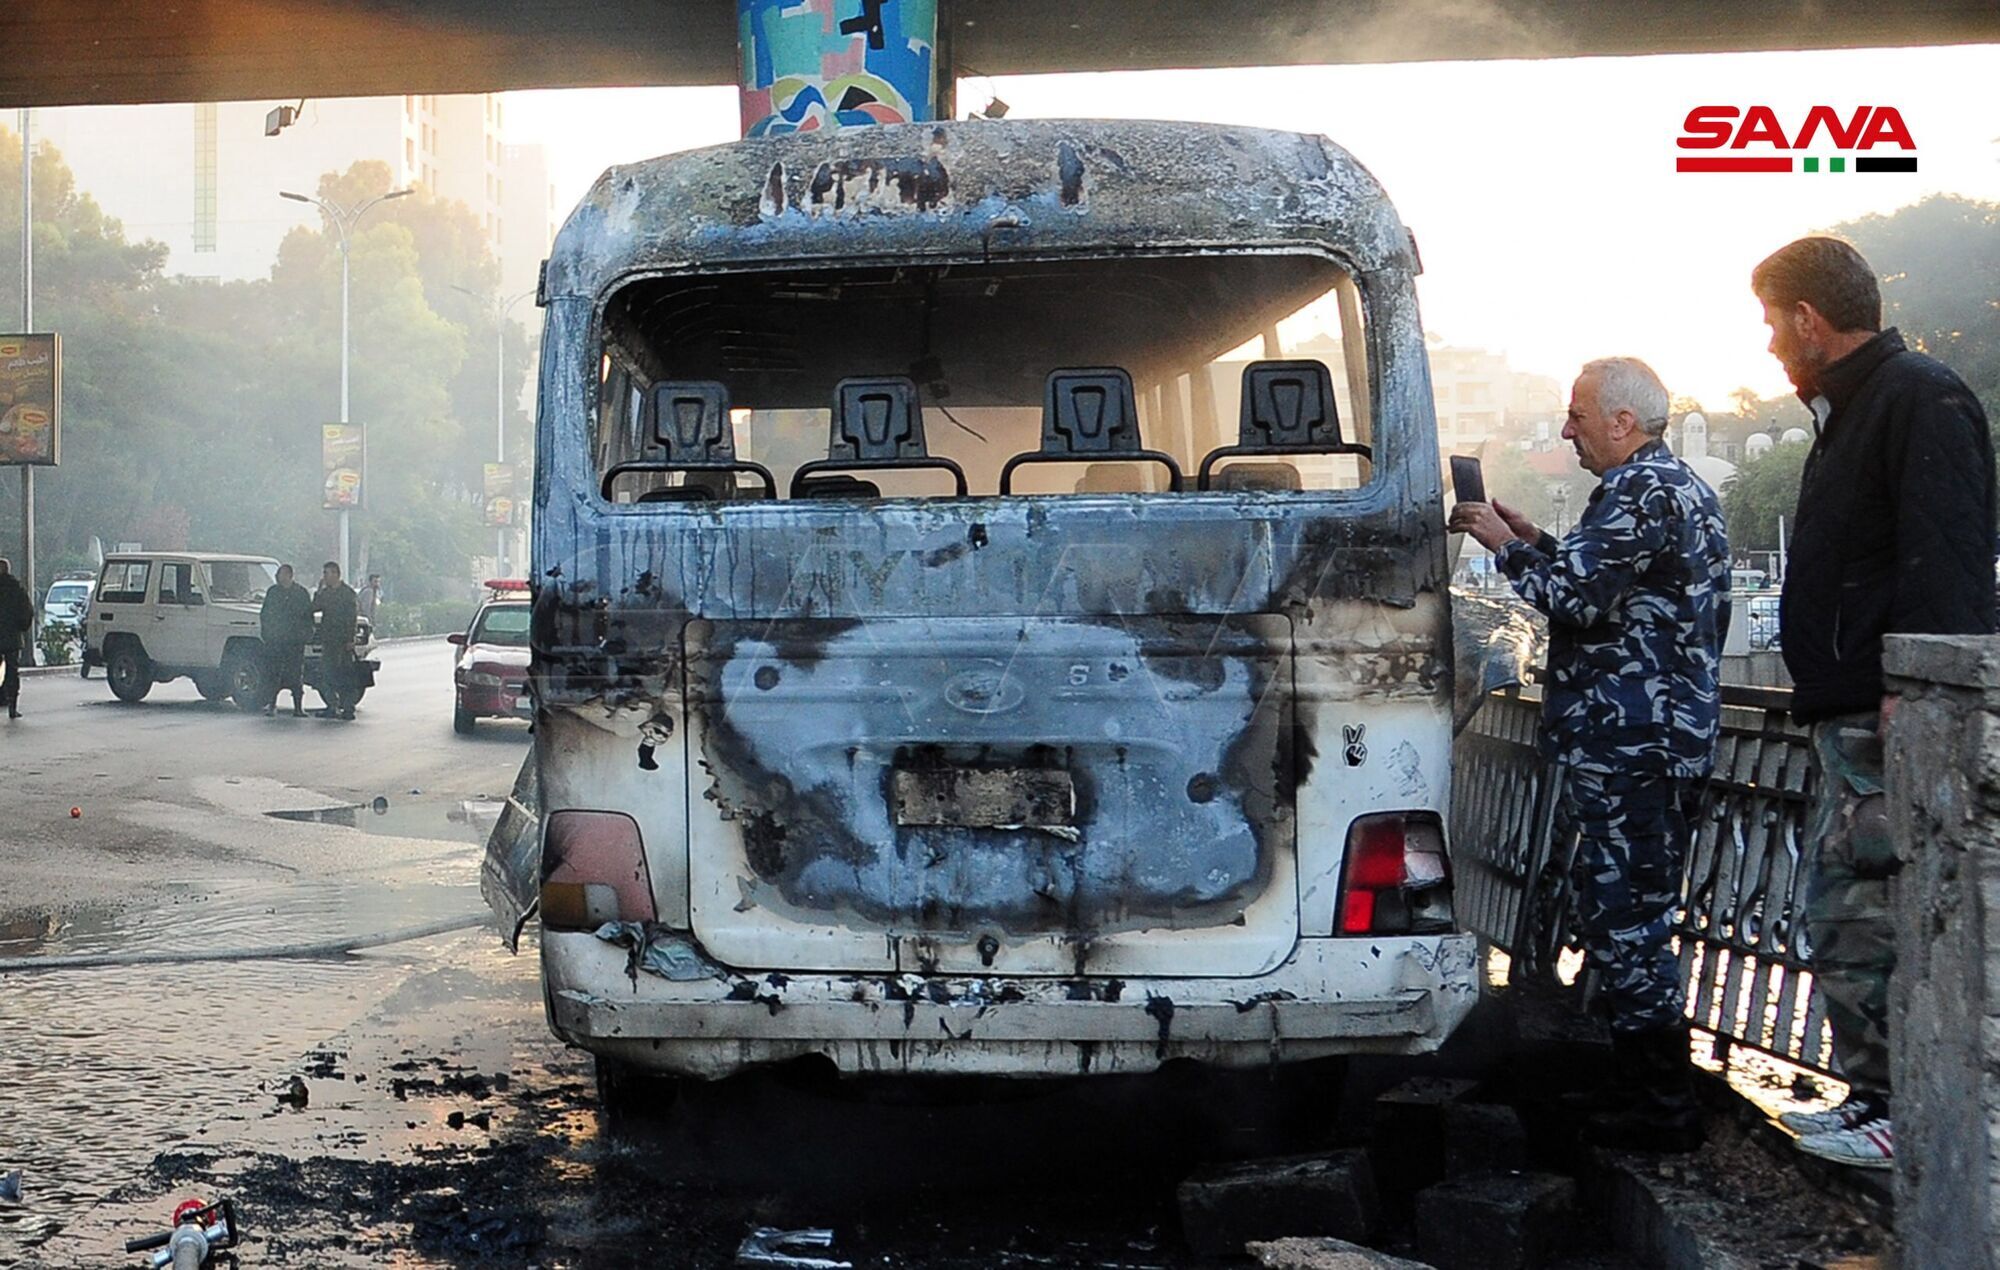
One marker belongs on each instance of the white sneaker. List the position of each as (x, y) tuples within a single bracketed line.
[(1858, 1110), (1868, 1146)]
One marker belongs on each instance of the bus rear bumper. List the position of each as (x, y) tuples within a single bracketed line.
[(1332, 996)]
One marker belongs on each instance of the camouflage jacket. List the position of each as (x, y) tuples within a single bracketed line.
[(1637, 598)]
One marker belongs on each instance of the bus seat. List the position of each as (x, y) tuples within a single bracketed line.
[(1277, 477), (1090, 413), (1288, 408), (691, 433), (835, 485), (877, 424), (1110, 478)]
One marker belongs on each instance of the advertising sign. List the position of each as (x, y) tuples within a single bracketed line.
[(30, 400), (343, 450), (502, 503)]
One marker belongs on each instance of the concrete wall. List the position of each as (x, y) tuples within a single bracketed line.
[(1944, 786)]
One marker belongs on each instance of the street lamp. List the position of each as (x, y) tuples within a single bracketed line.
[(343, 219), (501, 308)]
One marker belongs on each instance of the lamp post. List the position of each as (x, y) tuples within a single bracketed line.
[(343, 219), (27, 328), (501, 308)]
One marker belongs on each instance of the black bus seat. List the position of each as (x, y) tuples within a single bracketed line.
[(1272, 477), (836, 485), (1110, 478), (1090, 413), (692, 434), (878, 424), (1288, 408)]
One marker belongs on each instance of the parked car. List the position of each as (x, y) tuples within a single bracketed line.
[(68, 596), (490, 675), (160, 616)]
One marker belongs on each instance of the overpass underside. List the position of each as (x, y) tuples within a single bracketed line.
[(73, 52)]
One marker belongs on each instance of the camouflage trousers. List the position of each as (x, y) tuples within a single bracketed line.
[(1851, 857), (1631, 849)]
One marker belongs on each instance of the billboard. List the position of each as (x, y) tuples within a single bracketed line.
[(503, 502), (30, 400), (343, 457)]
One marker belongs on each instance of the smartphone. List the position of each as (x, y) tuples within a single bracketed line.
[(1468, 482)]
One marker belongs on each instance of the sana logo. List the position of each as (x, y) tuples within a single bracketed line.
[(1759, 141)]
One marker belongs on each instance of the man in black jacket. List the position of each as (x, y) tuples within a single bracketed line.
[(1894, 532), (17, 621)]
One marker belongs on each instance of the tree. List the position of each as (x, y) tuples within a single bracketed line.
[(1765, 488)]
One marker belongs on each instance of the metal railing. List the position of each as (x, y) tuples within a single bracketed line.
[(1743, 951)]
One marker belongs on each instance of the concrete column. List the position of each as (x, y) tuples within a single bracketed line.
[(1943, 751), (811, 64)]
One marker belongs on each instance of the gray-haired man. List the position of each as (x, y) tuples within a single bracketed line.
[(1637, 599)]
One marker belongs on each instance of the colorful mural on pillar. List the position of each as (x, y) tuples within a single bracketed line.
[(810, 64)]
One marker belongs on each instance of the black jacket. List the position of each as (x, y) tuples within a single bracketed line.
[(1895, 524), (17, 611)]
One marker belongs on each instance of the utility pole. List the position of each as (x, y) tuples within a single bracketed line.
[(27, 328), (344, 220)]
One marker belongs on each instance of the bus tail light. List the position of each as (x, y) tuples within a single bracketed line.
[(594, 871), (1397, 877)]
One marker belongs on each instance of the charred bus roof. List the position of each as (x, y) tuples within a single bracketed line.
[(973, 190)]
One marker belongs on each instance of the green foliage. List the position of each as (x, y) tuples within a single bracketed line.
[(57, 645), (1765, 488), (438, 617), (192, 408)]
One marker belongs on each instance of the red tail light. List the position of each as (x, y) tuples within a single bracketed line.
[(1397, 876), (594, 871)]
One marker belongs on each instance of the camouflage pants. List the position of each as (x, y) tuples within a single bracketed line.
[(1631, 849), (1851, 857)]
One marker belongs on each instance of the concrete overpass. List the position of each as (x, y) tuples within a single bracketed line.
[(68, 52)]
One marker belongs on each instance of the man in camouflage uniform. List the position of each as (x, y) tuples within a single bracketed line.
[(1894, 533), (1637, 598)]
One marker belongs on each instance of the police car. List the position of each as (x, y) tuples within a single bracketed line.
[(491, 675)]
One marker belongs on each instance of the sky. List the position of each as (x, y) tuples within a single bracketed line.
[(1543, 195)]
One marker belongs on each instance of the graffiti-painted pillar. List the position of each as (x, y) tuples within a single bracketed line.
[(811, 64)]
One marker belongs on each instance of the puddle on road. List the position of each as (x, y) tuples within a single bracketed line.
[(461, 820)]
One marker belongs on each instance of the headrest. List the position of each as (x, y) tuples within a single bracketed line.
[(1090, 411), (1288, 403), (1260, 476), (875, 419), (1111, 478), (691, 422)]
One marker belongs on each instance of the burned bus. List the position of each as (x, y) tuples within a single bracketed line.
[(990, 609)]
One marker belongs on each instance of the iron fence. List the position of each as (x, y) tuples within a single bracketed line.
[(1743, 950)]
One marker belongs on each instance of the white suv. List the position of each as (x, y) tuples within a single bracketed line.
[(160, 615)]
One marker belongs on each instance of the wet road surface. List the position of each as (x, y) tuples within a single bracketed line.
[(441, 1125)]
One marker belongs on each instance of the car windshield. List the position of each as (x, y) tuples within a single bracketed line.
[(69, 592), (503, 624), (241, 580)]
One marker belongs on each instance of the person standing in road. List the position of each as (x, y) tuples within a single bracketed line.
[(370, 596), (339, 611), (287, 625), (1894, 533), (17, 625), (1637, 597)]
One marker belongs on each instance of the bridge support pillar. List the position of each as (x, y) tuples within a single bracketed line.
[(1943, 752), (811, 64)]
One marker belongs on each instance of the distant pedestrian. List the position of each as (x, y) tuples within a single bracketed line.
[(17, 626), (1894, 533), (1637, 597), (370, 596), (287, 625), (339, 611)]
